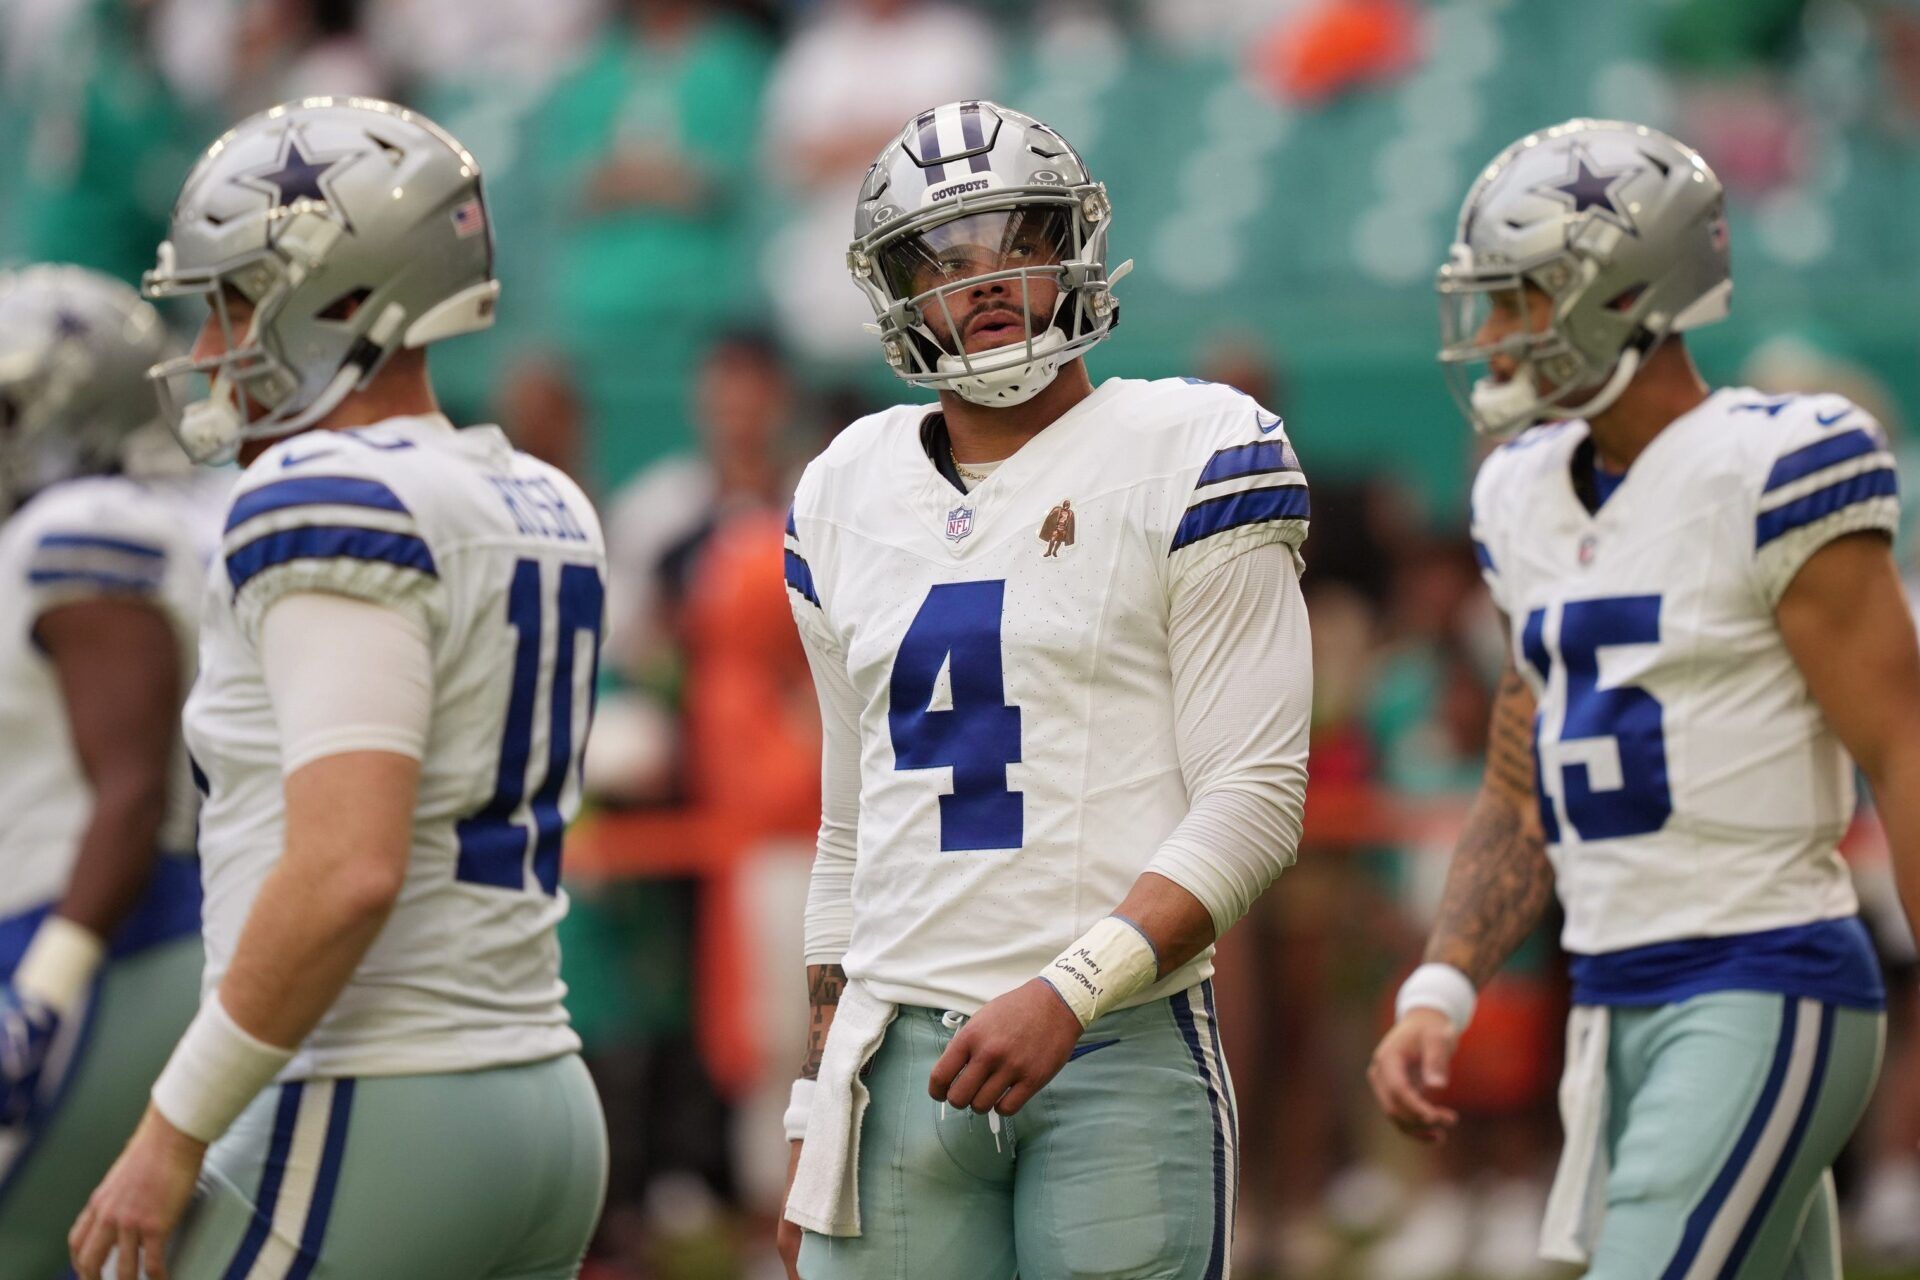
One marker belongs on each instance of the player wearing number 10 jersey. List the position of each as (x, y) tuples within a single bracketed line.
[(1705, 622), (396, 679), (1062, 661)]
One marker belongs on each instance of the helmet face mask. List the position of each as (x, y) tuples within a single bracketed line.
[(352, 228), (999, 277), (1619, 228)]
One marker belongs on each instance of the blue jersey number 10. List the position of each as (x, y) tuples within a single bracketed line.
[(958, 629), (1610, 767), (496, 842)]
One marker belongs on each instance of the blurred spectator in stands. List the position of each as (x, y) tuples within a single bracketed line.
[(490, 44), (746, 409), (841, 89), (1321, 50), (1240, 359), (1731, 60), (102, 139), (643, 156), (231, 58)]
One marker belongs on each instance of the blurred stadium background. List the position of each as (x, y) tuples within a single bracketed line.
[(672, 181)]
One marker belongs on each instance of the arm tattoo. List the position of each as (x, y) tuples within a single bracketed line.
[(1500, 881), (825, 982)]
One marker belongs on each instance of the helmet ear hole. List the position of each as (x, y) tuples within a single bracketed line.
[(342, 308)]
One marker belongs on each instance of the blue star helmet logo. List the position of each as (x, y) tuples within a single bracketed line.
[(298, 176), (1587, 186)]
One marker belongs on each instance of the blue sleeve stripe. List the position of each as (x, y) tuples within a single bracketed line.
[(1868, 485), (792, 532), (1258, 459), (94, 542), (1483, 556), (1254, 506), (313, 491), (92, 578), (1819, 455), (800, 578), (328, 542)]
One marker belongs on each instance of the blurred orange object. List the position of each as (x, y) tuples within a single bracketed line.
[(1335, 46)]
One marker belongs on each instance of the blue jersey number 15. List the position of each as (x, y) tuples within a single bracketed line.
[(496, 842), (1610, 769), (958, 629)]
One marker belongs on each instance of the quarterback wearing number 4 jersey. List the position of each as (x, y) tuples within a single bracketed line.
[(396, 679), (1056, 767), (1705, 623)]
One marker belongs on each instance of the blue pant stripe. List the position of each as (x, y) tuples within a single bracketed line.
[(1709, 1207), (1183, 1016), (339, 1117), (284, 1117), (1226, 1083), (1788, 1152)]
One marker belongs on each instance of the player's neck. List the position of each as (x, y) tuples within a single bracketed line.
[(401, 390), (982, 434), (1667, 389)]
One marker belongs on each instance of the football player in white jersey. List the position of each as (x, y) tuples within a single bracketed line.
[(99, 896), (397, 665), (1706, 625), (1056, 767)]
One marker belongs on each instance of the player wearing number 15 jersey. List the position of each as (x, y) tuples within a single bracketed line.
[(1063, 668), (396, 678), (1705, 623)]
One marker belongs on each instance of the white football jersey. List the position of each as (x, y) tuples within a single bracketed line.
[(101, 537), (500, 558), (1690, 787), (1009, 649)]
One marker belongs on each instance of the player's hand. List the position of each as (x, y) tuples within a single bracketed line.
[(787, 1236), (1409, 1066), (136, 1208), (27, 1029), (1007, 1052)]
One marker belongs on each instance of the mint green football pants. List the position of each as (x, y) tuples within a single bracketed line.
[(482, 1175), (106, 1061), (1726, 1113), (1124, 1167)]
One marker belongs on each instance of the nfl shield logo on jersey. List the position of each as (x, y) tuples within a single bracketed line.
[(959, 523)]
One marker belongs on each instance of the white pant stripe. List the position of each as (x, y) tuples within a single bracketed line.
[(277, 1255), (1745, 1195)]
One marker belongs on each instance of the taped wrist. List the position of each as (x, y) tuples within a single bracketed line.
[(1438, 986), (215, 1071), (59, 964), (1103, 967), (799, 1107)]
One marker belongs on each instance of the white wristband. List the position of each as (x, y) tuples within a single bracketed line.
[(59, 964), (215, 1071), (799, 1107), (1438, 986), (1104, 966)]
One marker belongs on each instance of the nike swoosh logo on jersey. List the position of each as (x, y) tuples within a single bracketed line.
[(1265, 427), (288, 460), (1082, 1050), (1827, 420)]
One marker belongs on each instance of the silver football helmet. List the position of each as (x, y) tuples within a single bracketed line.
[(75, 347), (974, 197), (1623, 229), (354, 228)]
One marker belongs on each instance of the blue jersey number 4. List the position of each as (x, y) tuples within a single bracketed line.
[(958, 630), (1610, 761), (497, 843)]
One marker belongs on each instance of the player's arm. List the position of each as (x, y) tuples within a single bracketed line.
[(1845, 620), (829, 919), (1498, 887), (116, 659), (352, 690), (1240, 661)]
